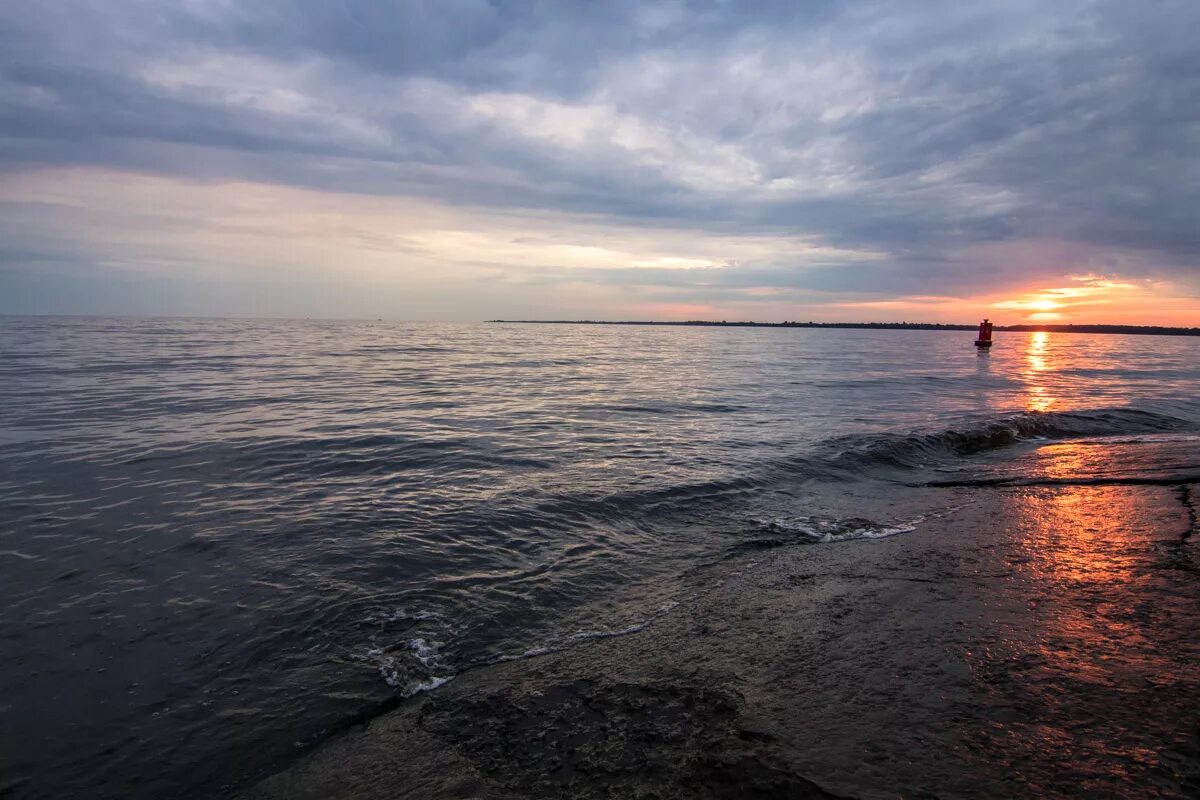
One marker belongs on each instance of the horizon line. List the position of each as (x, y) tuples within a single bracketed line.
[(1020, 327)]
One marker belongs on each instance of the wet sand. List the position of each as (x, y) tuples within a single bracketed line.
[(1038, 641)]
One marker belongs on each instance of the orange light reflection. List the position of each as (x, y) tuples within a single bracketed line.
[(1107, 632), (1039, 397), (1092, 548)]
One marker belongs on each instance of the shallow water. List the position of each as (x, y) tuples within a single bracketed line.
[(221, 540)]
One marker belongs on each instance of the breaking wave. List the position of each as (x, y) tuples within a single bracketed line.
[(918, 449)]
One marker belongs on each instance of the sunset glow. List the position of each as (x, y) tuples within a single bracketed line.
[(1088, 299), (1093, 298)]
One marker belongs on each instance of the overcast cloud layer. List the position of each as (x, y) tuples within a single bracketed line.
[(473, 159)]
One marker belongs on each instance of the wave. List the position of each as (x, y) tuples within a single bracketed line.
[(886, 456), (889, 455), (830, 529), (1177, 479), (912, 450)]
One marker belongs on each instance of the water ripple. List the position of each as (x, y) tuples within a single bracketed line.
[(223, 539)]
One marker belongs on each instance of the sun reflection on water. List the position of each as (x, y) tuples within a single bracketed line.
[(1093, 659), (1039, 397), (1102, 659)]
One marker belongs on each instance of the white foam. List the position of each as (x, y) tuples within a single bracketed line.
[(826, 529), (532, 652), (392, 659), (425, 651), (604, 633), (389, 673), (428, 686)]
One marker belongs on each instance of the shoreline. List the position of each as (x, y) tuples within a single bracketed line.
[(1034, 641), (1117, 330)]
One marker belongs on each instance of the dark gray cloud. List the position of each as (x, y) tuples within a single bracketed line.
[(926, 134)]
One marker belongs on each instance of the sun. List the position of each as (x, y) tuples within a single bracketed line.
[(1058, 303)]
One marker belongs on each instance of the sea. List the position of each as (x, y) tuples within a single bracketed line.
[(224, 541)]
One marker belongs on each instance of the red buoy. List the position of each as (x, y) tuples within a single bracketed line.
[(985, 334)]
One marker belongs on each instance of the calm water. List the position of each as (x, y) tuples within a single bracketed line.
[(222, 540)]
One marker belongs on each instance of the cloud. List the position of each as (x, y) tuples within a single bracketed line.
[(868, 151)]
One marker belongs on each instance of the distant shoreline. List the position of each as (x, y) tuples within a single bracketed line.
[(1140, 330)]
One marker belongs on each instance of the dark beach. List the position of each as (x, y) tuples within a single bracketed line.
[(1037, 641)]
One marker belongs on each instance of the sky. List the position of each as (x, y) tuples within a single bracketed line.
[(466, 160)]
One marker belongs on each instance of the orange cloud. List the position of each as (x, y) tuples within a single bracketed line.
[(1119, 301), (1087, 298)]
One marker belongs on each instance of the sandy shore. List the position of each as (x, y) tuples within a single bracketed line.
[(1038, 641)]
